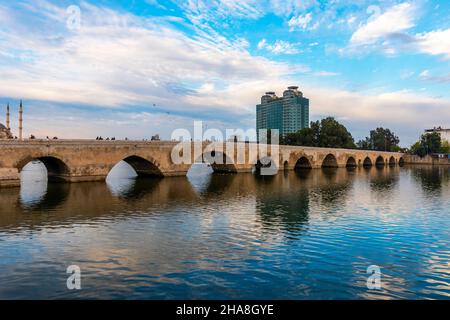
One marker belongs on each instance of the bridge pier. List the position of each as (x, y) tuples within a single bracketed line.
[(76, 179), (9, 177)]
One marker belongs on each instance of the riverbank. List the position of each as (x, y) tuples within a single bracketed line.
[(427, 160)]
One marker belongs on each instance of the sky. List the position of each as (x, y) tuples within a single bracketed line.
[(136, 68)]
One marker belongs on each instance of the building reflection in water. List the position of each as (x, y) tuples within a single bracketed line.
[(286, 197)]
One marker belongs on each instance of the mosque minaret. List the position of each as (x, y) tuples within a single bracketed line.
[(5, 131), (20, 121), (7, 118)]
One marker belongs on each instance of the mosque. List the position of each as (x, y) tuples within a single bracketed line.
[(5, 131)]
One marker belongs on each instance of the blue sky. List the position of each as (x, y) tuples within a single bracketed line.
[(136, 68)]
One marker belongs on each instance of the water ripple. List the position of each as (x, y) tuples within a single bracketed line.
[(295, 236)]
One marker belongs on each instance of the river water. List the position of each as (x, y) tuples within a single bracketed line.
[(305, 235)]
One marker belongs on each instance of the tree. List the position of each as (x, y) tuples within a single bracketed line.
[(417, 149), (334, 135), (327, 133), (445, 147), (305, 137), (429, 143), (380, 139)]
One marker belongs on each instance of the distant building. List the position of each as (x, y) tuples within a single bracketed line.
[(5, 133), (288, 114), (444, 133)]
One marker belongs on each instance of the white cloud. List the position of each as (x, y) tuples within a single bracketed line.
[(387, 33), (132, 63), (207, 11), (279, 47), (406, 74), (407, 113), (351, 20), (287, 8), (434, 42), (396, 19), (140, 62), (262, 44), (360, 112), (222, 10), (156, 4), (242, 8), (325, 74), (300, 22), (426, 75)]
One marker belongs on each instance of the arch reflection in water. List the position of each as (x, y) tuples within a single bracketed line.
[(199, 176), (383, 182), (121, 178), (280, 209), (218, 161), (36, 193), (266, 163), (333, 188), (33, 180), (124, 181)]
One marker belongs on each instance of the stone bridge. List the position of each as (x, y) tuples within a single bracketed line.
[(87, 160)]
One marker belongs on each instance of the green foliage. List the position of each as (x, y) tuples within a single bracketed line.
[(306, 137), (429, 143), (380, 139), (416, 148), (445, 147), (327, 133)]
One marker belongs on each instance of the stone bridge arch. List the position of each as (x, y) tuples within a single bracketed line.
[(303, 163), (57, 167), (330, 161), (379, 162), (351, 162), (144, 167), (219, 161), (367, 162), (392, 161)]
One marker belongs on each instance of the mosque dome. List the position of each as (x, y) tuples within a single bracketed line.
[(5, 133)]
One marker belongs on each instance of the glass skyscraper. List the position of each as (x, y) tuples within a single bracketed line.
[(288, 114)]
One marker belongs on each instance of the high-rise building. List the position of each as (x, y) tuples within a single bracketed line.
[(288, 114)]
